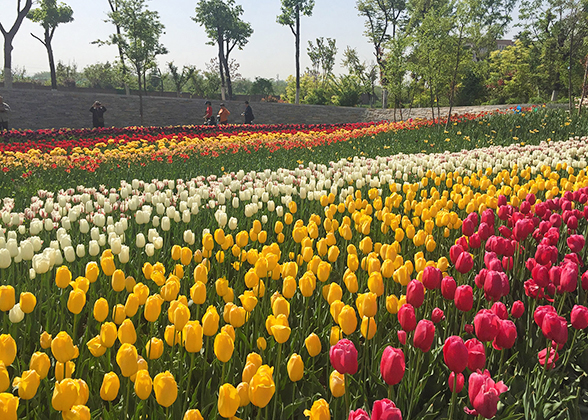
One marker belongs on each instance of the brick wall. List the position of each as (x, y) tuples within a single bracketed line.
[(40, 108)]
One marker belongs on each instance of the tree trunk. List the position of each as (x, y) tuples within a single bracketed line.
[(454, 78), (570, 96), (384, 98), (8, 37), (221, 57), (8, 61), (297, 40), (140, 94), (51, 60), (228, 76), (583, 85)]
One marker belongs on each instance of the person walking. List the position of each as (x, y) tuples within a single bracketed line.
[(208, 116), (248, 114), (98, 111), (4, 111), (223, 115)]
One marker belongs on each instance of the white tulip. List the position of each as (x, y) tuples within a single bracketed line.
[(177, 217), (41, 263), (57, 258), (80, 251), (5, 259), (15, 220), (115, 246), (264, 219), (102, 240), (32, 274), (155, 221), (15, 315), (186, 216), (123, 256), (152, 234), (165, 223), (149, 250), (140, 240), (233, 223), (235, 202), (22, 229), (93, 248), (12, 247), (84, 226), (271, 206), (158, 242), (189, 237), (70, 254), (26, 250), (280, 211), (48, 225)]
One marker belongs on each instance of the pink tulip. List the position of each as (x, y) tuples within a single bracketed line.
[(459, 383), (486, 325), (415, 293), (392, 365), (343, 357), (407, 317), (424, 335), (464, 298), (507, 335), (358, 414), (448, 286), (484, 394), (518, 309), (437, 315), (464, 263), (553, 357), (579, 317), (476, 354), (455, 354), (432, 277), (385, 410)]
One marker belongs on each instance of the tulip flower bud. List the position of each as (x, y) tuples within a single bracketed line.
[(45, 340), (126, 358), (7, 298), (193, 414), (337, 384), (143, 384), (295, 368), (262, 386), (126, 332), (455, 354), (228, 400), (313, 345), (319, 410), (76, 301), (110, 386), (62, 347), (166, 389), (40, 363), (65, 394), (392, 365), (343, 356)]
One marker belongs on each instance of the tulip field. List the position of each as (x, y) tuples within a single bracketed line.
[(372, 271)]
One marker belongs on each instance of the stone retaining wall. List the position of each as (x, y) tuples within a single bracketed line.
[(37, 109)]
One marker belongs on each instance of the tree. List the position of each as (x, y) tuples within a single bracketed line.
[(291, 13), (138, 40), (114, 4), (50, 14), (366, 73), (322, 55), (382, 16), (223, 25), (103, 76), (180, 79), (262, 86), (9, 35)]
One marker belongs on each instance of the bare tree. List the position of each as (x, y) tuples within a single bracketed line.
[(9, 37)]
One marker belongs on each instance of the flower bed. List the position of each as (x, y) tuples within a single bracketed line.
[(384, 286)]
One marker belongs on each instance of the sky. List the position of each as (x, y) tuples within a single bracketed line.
[(269, 53)]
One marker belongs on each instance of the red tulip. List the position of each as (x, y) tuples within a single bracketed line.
[(437, 315), (424, 335), (546, 254), (579, 317), (468, 227), (455, 354), (507, 335), (415, 293), (464, 298), (402, 337), (464, 263), (485, 231), (518, 309), (484, 394), (486, 325), (555, 327), (432, 278), (358, 414), (407, 317), (553, 357), (500, 310), (569, 278), (459, 383), (493, 283), (585, 278), (576, 243), (540, 275), (488, 217), (476, 354), (454, 252), (343, 356), (475, 241), (392, 365), (540, 313), (448, 286), (385, 410)]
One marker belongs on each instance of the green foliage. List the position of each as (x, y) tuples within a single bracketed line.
[(292, 9), (510, 75), (322, 55), (103, 76), (262, 86), (348, 90), (180, 79)]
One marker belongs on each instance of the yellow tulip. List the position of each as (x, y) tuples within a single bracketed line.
[(131, 305), (65, 394), (126, 332), (45, 341), (7, 349), (261, 343), (337, 384), (142, 292), (62, 347), (40, 363), (126, 358), (95, 346), (281, 306), (210, 321), (92, 271), (392, 304), (77, 412), (101, 309), (228, 401), (27, 301), (313, 345), (248, 300), (295, 368), (108, 334), (83, 392), (176, 252), (262, 386), (8, 406), (76, 301), (193, 414), (181, 316), (110, 386), (64, 370), (237, 316), (319, 411), (4, 378), (192, 336), (152, 308), (62, 277), (223, 347), (166, 388), (370, 331), (347, 320), (335, 335), (171, 335), (119, 314), (154, 348), (281, 333), (28, 385), (143, 384), (118, 280)]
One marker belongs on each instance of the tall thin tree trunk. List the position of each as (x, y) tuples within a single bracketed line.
[(140, 95), (228, 76), (297, 41), (583, 85), (454, 77), (570, 96), (7, 61), (51, 60)]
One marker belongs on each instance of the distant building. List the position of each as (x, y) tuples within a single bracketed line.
[(501, 44)]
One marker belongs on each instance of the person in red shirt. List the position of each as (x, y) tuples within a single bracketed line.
[(209, 117)]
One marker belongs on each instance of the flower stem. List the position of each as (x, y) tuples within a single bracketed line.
[(453, 398)]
